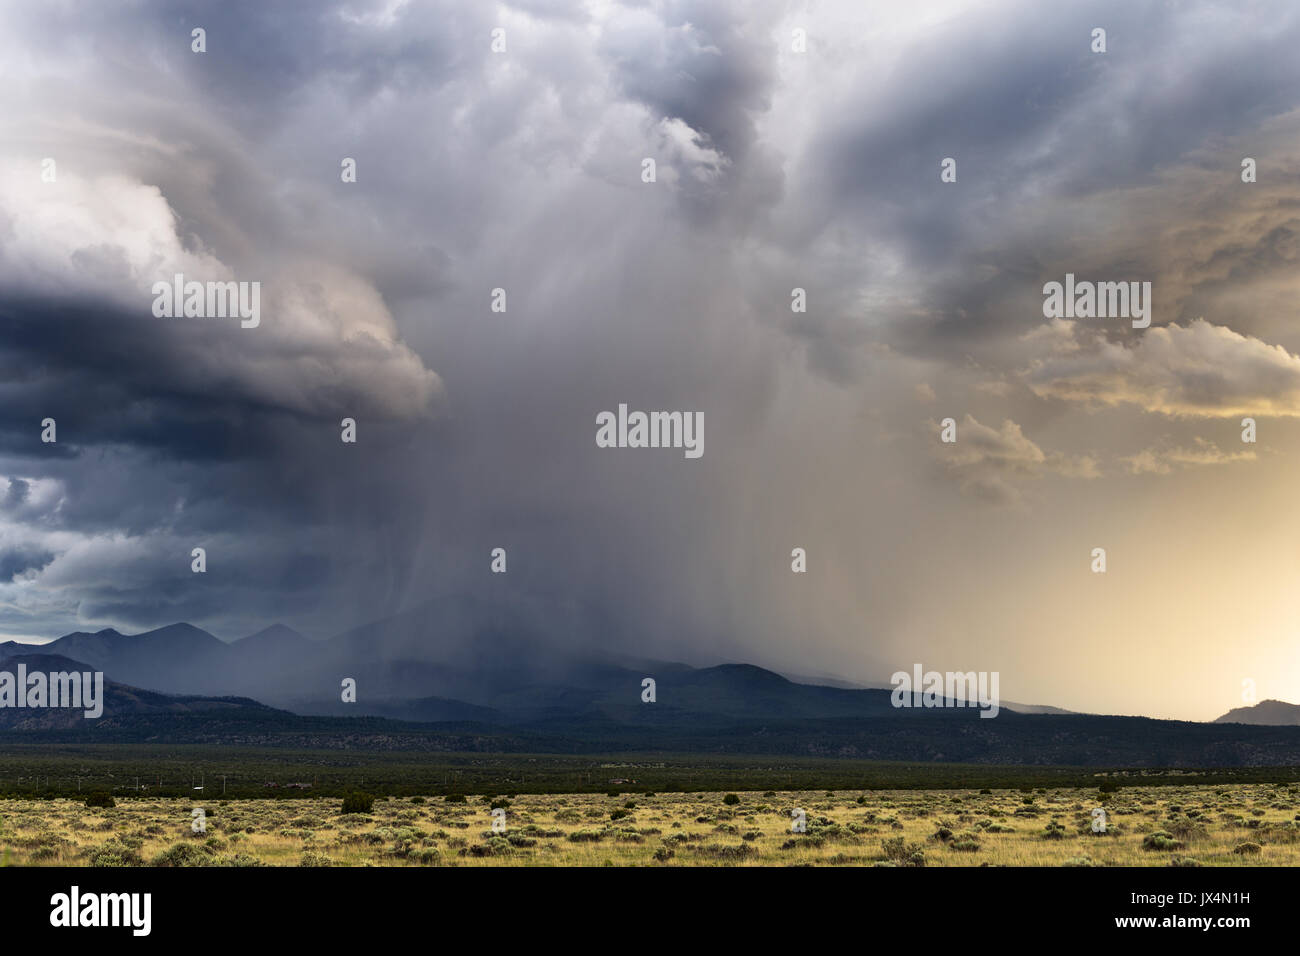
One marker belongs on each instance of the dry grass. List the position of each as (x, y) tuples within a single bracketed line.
[(1214, 826)]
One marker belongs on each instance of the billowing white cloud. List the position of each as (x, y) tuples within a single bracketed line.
[(326, 342), (1198, 370)]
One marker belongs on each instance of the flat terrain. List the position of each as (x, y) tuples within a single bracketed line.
[(1244, 824)]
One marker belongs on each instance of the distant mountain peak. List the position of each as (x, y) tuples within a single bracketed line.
[(276, 632), (749, 672), (1273, 713), (180, 627)]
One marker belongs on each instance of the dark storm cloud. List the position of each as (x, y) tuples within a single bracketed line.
[(1037, 122), (704, 63), (522, 171), (14, 562)]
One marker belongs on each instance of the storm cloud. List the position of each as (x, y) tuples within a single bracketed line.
[(777, 169)]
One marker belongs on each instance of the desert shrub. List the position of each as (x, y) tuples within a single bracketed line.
[(1160, 840), (663, 854), (454, 798), (534, 830), (358, 802), (806, 840), (1280, 833), (114, 853), (899, 853), (731, 799), (100, 798), (1246, 849), (311, 858), (1187, 829), (719, 851), (619, 814), (496, 846), (185, 854)]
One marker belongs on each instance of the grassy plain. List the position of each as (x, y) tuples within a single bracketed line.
[(1240, 824)]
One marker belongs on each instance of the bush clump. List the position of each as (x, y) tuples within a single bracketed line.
[(898, 853), (1054, 831), (358, 802), (185, 854), (100, 798), (114, 853), (1160, 840)]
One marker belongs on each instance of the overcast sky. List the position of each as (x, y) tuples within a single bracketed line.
[(775, 169)]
